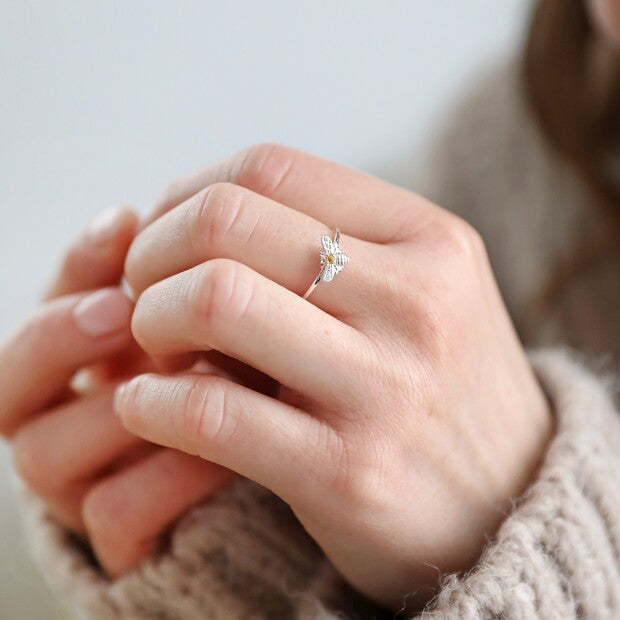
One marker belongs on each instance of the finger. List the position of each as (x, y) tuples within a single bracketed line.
[(64, 335), (360, 205), (65, 503), (126, 514), (284, 245), (266, 440), (66, 506), (226, 306), (96, 258), (50, 459)]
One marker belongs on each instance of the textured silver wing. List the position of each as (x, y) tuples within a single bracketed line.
[(328, 245), (329, 271)]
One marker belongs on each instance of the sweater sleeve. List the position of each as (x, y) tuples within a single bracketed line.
[(242, 554)]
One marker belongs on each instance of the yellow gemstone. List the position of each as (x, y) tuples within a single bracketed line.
[(330, 259)]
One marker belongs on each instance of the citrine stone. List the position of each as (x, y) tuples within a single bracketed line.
[(330, 259)]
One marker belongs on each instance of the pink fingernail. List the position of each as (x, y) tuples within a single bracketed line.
[(103, 312), (126, 288), (119, 392), (103, 227)]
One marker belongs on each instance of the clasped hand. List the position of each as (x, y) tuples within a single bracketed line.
[(394, 410)]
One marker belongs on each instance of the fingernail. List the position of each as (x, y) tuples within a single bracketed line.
[(126, 288), (102, 313), (103, 227), (119, 392)]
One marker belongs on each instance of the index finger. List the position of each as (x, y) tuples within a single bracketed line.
[(360, 205)]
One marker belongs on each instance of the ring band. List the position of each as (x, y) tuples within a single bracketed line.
[(333, 260)]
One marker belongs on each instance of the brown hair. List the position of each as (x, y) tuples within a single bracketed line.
[(571, 77)]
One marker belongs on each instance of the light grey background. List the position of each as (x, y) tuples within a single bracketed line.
[(104, 102)]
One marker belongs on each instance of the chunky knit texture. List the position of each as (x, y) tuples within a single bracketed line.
[(242, 553)]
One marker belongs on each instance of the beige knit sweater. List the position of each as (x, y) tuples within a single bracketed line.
[(242, 553)]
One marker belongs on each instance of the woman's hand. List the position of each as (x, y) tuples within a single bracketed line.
[(97, 479), (408, 416)]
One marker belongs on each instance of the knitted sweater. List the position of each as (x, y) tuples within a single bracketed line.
[(243, 554)]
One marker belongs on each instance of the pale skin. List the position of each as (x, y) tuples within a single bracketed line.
[(405, 411), (398, 395)]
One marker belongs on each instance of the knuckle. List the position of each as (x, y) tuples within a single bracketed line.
[(263, 167), (220, 216), (452, 288), (329, 456), (435, 321), (360, 475), (206, 415), (411, 217), (221, 291), (463, 240)]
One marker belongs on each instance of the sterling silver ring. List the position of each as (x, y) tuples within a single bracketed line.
[(333, 260)]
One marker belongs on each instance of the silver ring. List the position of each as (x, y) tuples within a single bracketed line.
[(333, 260)]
